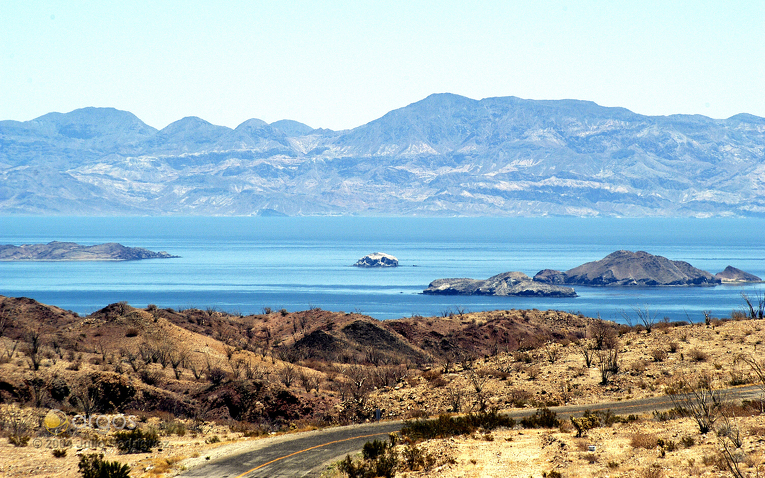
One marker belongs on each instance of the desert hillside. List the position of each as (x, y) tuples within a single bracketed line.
[(199, 378)]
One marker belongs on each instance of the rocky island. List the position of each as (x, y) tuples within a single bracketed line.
[(733, 275), (515, 284), (626, 268), (70, 251), (377, 259)]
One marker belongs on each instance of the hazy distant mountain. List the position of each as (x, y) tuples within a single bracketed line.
[(292, 128), (444, 155)]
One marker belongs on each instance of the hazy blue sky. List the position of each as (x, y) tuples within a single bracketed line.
[(338, 64)]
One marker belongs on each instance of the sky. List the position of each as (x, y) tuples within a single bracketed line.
[(338, 65)]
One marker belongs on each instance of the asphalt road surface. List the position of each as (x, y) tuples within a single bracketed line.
[(308, 454)]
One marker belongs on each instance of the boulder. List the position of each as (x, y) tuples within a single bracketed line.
[(506, 284), (626, 268), (731, 274), (377, 259)]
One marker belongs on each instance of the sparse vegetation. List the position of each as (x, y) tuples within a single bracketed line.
[(446, 426), (182, 372), (94, 466), (136, 441)]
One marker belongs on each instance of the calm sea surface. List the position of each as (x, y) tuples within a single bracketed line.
[(245, 264)]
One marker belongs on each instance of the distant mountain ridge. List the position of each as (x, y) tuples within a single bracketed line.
[(443, 155)]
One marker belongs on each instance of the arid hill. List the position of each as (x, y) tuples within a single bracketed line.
[(215, 376)]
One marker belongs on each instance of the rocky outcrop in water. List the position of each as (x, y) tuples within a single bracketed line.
[(626, 268), (377, 259), (505, 284), (731, 274), (70, 251)]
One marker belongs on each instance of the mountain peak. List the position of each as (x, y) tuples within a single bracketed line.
[(252, 123), (93, 122), (292, 128)]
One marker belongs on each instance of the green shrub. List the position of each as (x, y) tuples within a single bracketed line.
[(93, 466), (59, 452), (380, 459), (542, 418), (136, 441), (373, 449), (446, 426)]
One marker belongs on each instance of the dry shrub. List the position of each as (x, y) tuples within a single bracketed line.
[(164, 465), (658, 354), (581, 444), (653, 471), (648, 441), (697, 355), (434, 378), (638, 367)]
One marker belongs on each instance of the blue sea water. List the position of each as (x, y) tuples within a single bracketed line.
[(243, 264)]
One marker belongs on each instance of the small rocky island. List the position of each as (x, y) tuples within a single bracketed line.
[(70, 251), (377, 259), (626, 268), (733, 275), (515, 284)]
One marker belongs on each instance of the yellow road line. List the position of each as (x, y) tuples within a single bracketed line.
[(307, 449)]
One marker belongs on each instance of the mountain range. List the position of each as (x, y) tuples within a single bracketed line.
[(443, 155)]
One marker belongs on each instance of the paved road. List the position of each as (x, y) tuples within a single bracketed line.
[(308, 454)]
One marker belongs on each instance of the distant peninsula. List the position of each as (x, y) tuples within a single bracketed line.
[(70, 251)]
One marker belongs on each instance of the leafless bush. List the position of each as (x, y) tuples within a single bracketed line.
[(33, 338), (755, 307), (587, 350), (478, 381), (288, 374), (553, 353), (454, 397), (309, 381), (608, 364), (699, 399), (757, 366), (604, 334), (178, 357)]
